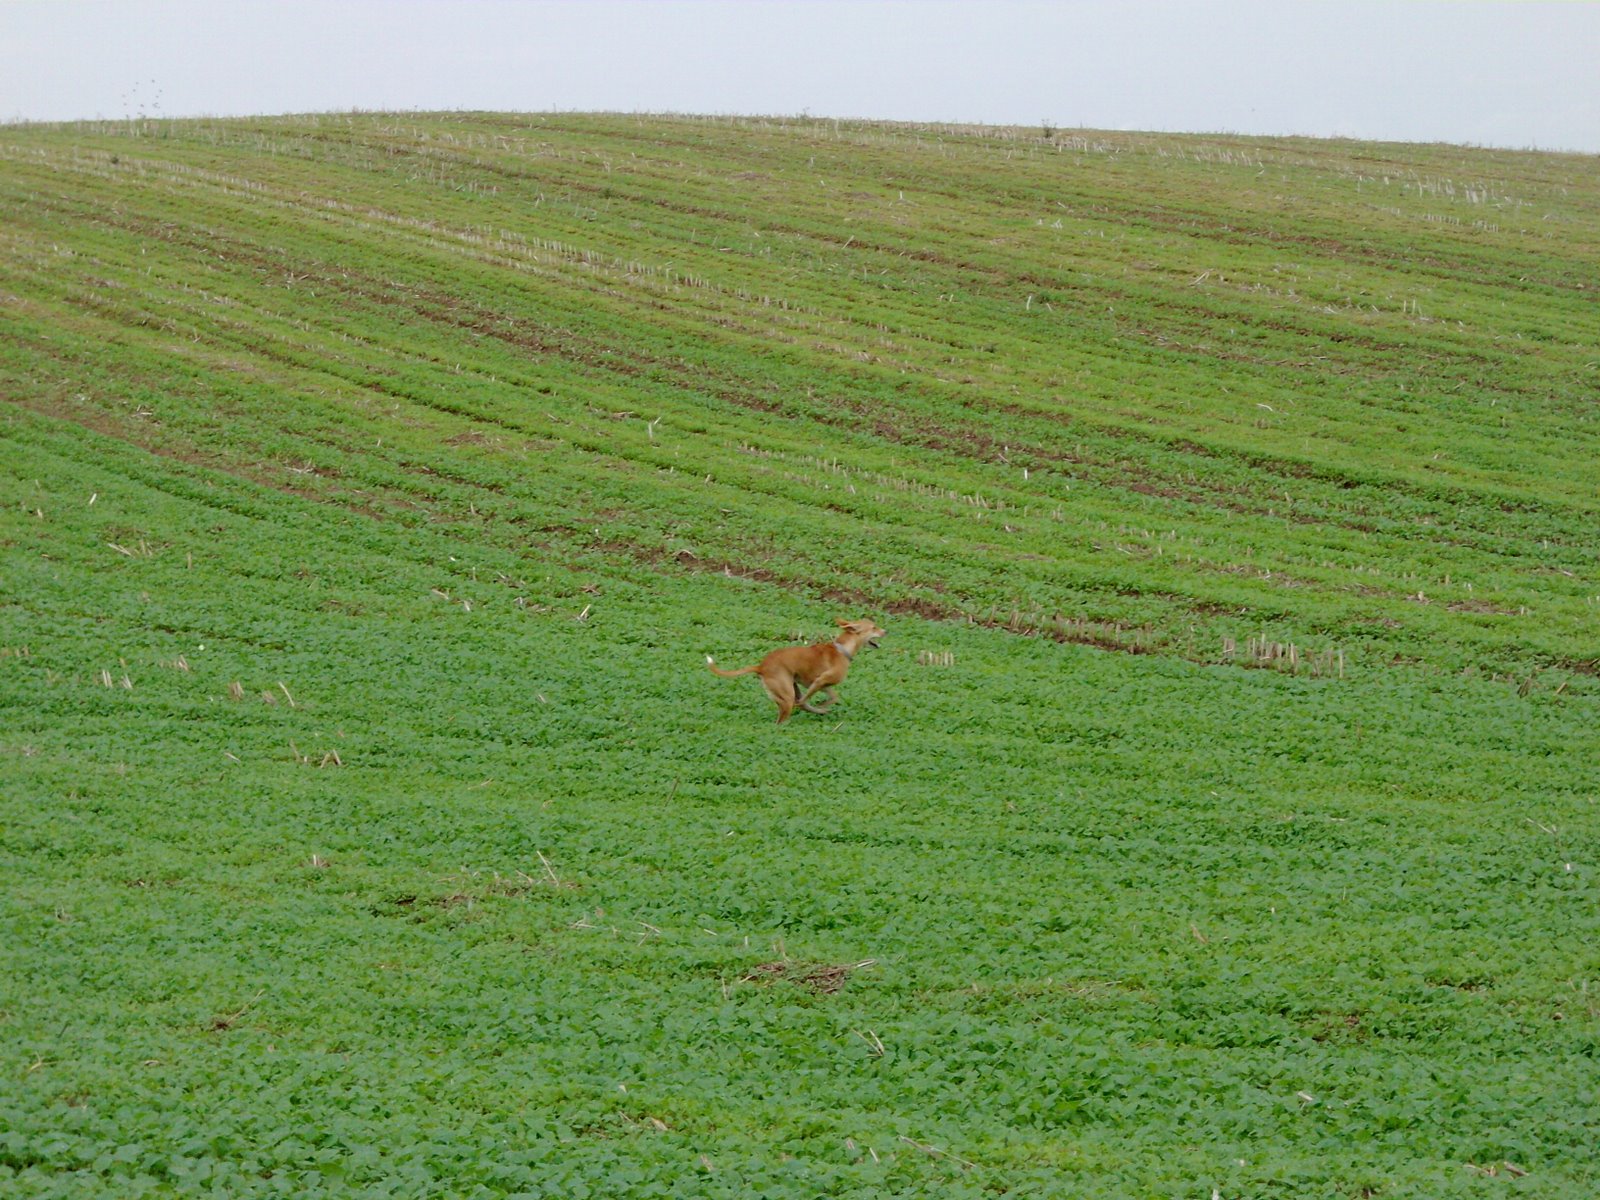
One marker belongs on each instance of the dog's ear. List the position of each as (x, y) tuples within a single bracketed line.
[(842, 623)]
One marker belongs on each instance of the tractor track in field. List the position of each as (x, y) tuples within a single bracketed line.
[(1121, 637), (896, 427)]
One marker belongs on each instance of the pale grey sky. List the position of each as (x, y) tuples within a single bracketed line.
[(1476, 71)]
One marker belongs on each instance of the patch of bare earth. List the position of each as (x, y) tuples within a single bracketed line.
[(822, 979)]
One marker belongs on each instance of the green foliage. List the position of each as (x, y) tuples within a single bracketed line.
[(374, 487)]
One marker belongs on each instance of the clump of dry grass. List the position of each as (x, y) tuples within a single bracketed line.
[(226, 1021), (1286, 656), (823, 979), (330, 758)]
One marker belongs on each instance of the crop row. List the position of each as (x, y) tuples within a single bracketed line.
[(255, 335)]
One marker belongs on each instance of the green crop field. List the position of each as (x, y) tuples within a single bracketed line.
[(1220, 817)]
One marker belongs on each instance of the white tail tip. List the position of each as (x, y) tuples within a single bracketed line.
[(710, 661)]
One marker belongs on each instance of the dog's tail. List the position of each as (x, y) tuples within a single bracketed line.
[(716, 670)]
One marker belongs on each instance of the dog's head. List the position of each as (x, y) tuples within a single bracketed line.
[(865, 629)]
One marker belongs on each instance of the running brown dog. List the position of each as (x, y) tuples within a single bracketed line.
[(821, 668)]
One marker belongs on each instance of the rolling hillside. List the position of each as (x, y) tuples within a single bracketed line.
[(376, 484)]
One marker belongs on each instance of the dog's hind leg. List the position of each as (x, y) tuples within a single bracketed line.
[(784, 693)]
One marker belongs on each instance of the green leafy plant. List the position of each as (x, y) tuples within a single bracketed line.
[(1217, 818)]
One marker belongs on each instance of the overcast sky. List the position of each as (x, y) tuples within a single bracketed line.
[(1500, 74)]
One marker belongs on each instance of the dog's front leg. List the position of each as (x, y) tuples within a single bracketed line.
[(821, 687), (825, 700)]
